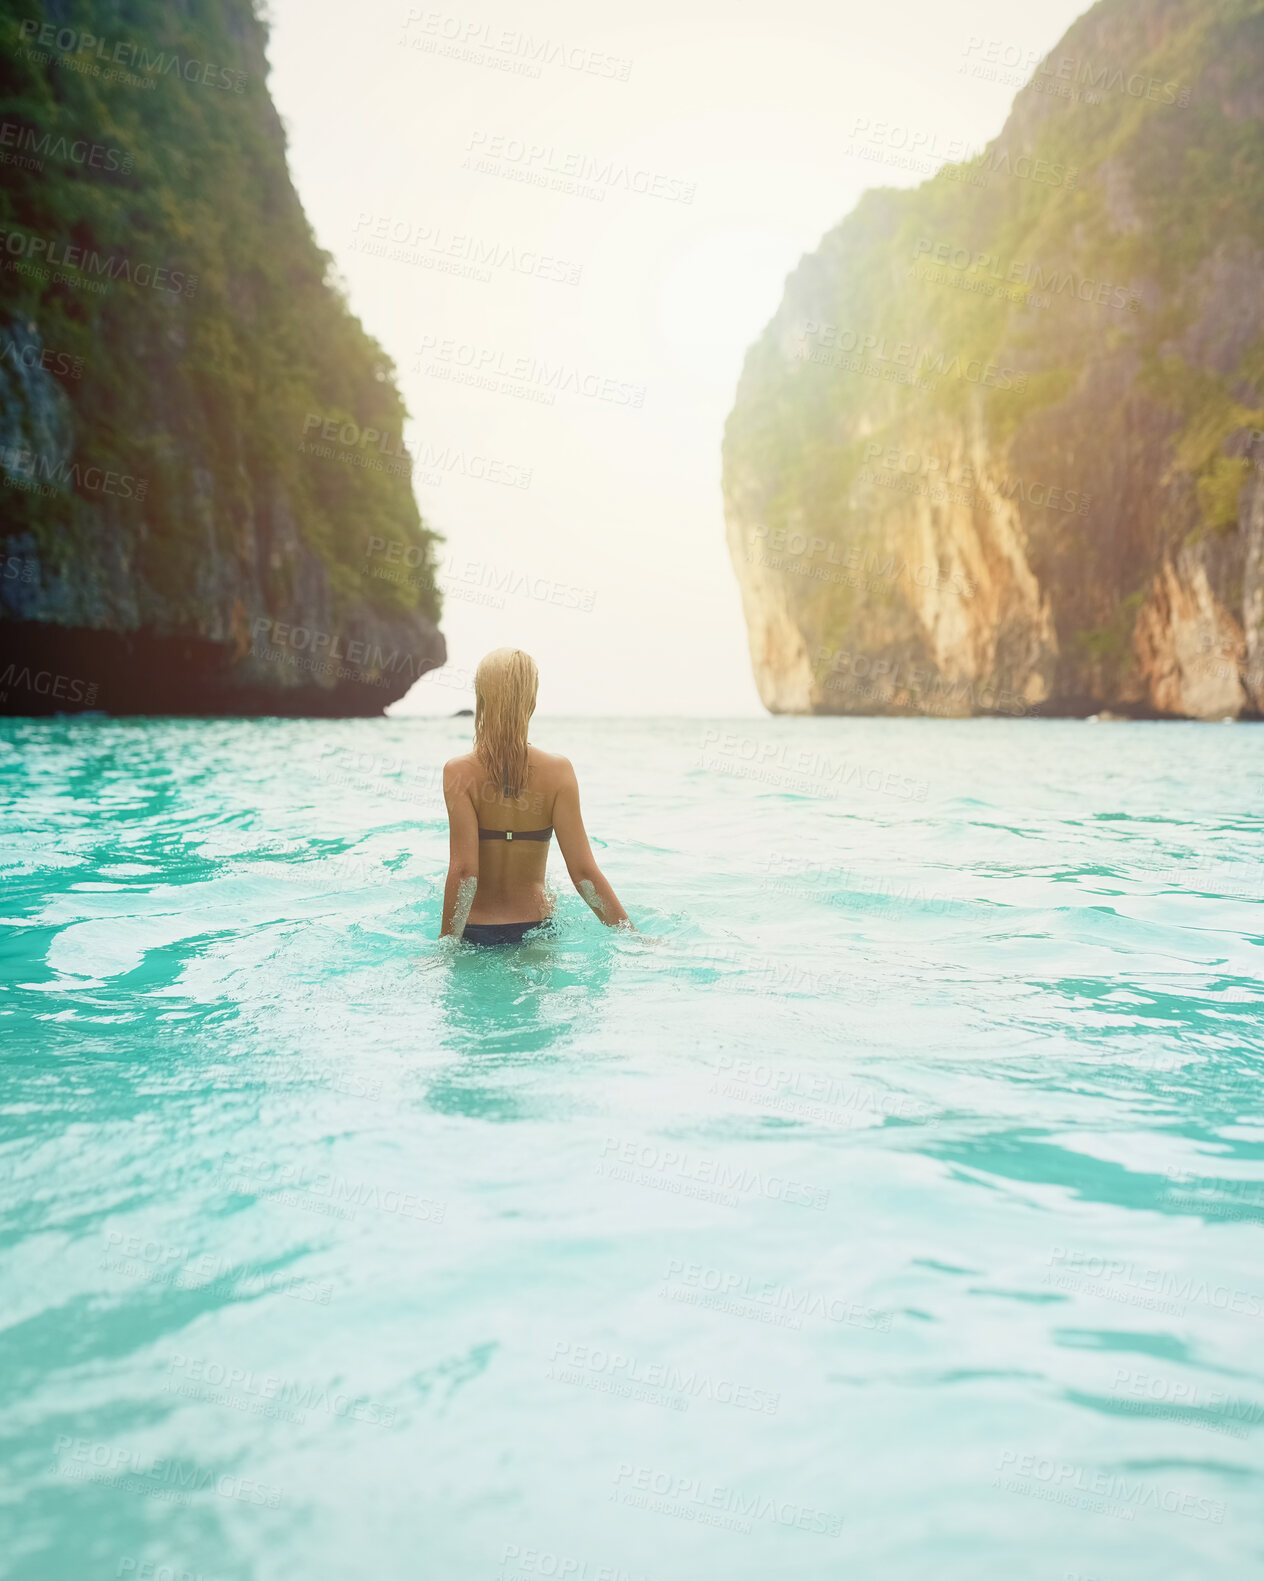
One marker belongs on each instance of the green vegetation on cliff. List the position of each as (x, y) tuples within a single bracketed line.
[(156, 260), (1076, 313)]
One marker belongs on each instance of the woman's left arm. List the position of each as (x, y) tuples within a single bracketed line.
[(458, 892)]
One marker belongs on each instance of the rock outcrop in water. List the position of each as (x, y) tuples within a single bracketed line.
[(206, 498), (1000, 449)]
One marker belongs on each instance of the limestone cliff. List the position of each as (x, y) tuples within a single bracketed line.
[(1000, 449), (201, 455)]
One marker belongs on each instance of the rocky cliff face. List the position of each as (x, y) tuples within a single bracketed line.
[(1000, 449), (206, 495)]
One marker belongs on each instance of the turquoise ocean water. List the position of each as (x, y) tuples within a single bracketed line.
[(891, 1208)]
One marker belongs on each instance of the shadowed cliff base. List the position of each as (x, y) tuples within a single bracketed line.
[(1001, 450), (60, 670)]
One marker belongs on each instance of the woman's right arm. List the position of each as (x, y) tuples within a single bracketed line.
[(458, 892), (572, 839)]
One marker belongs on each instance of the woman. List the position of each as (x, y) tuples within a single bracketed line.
[(505, 799)]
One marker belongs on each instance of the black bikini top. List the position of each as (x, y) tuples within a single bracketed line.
[(514, 834)]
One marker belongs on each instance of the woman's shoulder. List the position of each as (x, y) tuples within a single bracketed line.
[(550, 766), (459, 770)]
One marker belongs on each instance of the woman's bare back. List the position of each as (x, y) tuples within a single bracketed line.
[(495, 882), (511, 875), (507, 877)]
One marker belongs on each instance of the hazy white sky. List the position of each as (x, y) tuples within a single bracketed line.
[(710, 141)]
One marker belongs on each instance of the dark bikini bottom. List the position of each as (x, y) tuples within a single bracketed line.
[(498, 932)]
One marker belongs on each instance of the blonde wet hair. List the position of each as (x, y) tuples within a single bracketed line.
[(505, 686)]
